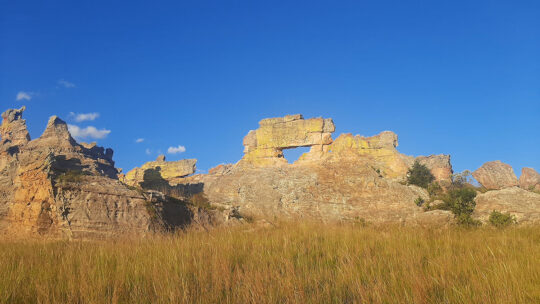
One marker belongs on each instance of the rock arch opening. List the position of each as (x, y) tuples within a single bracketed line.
[(293, 154)]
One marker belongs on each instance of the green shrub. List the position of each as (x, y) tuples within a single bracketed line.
[(434, 189), (419, 201), (501, 220), (200, 200), (70, 176), (419, 175), (461, 202)]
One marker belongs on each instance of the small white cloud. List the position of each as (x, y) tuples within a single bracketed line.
[(176, 150), (88, 132), (148, 151), (80, 117), (139, 140), (66, 84), (24, 95)]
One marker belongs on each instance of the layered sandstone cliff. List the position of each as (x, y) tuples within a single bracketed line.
[(53, 186)]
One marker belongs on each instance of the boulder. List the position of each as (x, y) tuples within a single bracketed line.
[(529, 179), (525, 205), (495, 175)]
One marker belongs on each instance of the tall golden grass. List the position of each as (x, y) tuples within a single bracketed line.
[(289, 263)]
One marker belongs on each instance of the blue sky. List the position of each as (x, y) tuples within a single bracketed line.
[(454, 77)]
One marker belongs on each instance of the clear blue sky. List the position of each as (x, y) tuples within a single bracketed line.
[(455, 77)]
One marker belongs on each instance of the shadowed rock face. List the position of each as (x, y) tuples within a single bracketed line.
[(52, 186), (529, 179), (495, 175)]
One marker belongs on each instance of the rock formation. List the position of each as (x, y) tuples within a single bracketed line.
[(53, 186), (495, 175), (350, 178), (529, 179), (13, 130), (264, 146), (525, 205), (160, 171)]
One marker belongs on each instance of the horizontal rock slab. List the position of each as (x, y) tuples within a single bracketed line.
[(160, 171)]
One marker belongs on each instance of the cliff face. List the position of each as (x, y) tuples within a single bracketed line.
[(53, 186)]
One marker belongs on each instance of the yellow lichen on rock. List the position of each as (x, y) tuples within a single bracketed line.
[(264, 146)]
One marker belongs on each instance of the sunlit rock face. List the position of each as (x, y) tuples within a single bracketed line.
[(529, 179), (160, 171), (523, 204), (264, 146), (13, 130)]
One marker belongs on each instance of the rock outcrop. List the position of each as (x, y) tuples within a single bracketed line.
[(350, 178), (523, 204), (160, 171), (328, 190), (13, 130), (529, 179), (264, 147), (496, 175), (52, 186)]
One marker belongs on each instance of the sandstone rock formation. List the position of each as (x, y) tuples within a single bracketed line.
[(264, 146), (495, 175), (328, 190), (13, 130), (525, 205), (53, 186), (160, 171), (350, 178), (529, 179)]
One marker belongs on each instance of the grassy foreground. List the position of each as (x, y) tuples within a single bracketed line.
[(290, 263)]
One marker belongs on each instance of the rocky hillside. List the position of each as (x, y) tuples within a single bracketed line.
[(54, 186)]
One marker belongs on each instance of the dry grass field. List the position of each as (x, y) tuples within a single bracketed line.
[(288, 263)]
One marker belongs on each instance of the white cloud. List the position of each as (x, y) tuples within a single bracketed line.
[(88, 132), (79, 117), (176, 150), (24, 95), (139, 140), (66, 83), (148, 151)]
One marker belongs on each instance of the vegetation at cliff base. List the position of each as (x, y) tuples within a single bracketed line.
[(501, 220), (282, 263), (419, 175)]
